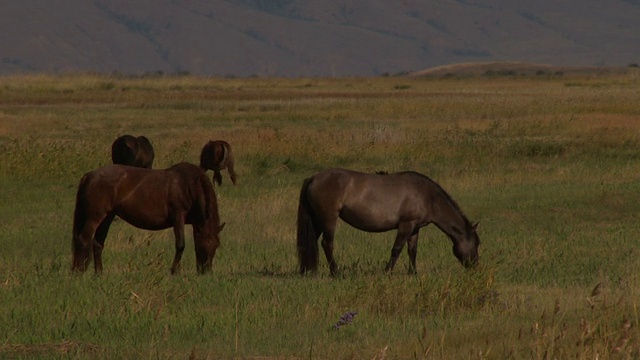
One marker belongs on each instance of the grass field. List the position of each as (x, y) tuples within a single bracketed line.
[(549, 166)]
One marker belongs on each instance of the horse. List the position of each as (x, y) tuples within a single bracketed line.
[(133, 151), (406, 201), (217, 155), (147, 199)]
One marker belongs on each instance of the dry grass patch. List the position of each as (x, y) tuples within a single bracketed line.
[(67, 347)]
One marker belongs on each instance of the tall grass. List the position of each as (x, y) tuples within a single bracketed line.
[(547, 165)]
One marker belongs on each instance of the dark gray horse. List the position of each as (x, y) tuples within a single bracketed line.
[(133, 151), (406, 201)]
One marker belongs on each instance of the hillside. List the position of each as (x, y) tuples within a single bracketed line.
[(300, 38)]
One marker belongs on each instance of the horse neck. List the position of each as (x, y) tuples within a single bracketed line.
[(211, 218), (449, 218)]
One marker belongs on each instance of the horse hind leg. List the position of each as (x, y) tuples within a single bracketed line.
[(327, 246), (81, 251), (83, 246), (178, 232), (98, 242), (217, 177)]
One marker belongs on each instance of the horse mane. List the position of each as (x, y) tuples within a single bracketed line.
[(197, 182), (444, 192), (209, 196)]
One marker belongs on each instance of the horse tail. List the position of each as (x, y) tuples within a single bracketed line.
[(81, 255), (307, 237)]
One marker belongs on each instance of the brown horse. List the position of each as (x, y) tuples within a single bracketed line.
[(217, 155), (406, 201), (147, 199), (134, 151)]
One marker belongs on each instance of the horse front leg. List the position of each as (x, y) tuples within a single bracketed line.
[(412, 250), (178, 233), (405, 229)]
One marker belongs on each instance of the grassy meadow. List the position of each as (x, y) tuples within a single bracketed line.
[(549, 165)]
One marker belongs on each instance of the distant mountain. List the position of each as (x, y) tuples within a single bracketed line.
[(293, 38)]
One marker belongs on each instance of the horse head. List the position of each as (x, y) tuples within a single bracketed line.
[(207, 227), (466, 248)]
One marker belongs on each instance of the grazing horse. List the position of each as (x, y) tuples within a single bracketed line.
[(217, 155), (134, 151), (147, 199), (406, 201)]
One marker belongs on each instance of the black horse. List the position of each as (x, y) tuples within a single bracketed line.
[(406, 201), (133, 151), (150, 200)]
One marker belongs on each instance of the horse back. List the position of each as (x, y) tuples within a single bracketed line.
[(349, 184), (123, 150), (133, 151), (107, 186), (146, 198), (370, 202)]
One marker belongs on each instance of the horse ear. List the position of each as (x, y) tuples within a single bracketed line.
[(475, 226), (221, 227)]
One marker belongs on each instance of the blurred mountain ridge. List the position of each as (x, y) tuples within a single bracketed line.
[(295, 38)]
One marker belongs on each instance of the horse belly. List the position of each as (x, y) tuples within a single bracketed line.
[(147, 218), (368, 219)]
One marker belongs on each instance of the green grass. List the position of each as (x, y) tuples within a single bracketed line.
[(549, 166)]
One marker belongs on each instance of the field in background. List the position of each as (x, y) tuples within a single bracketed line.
[(547, 164)]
